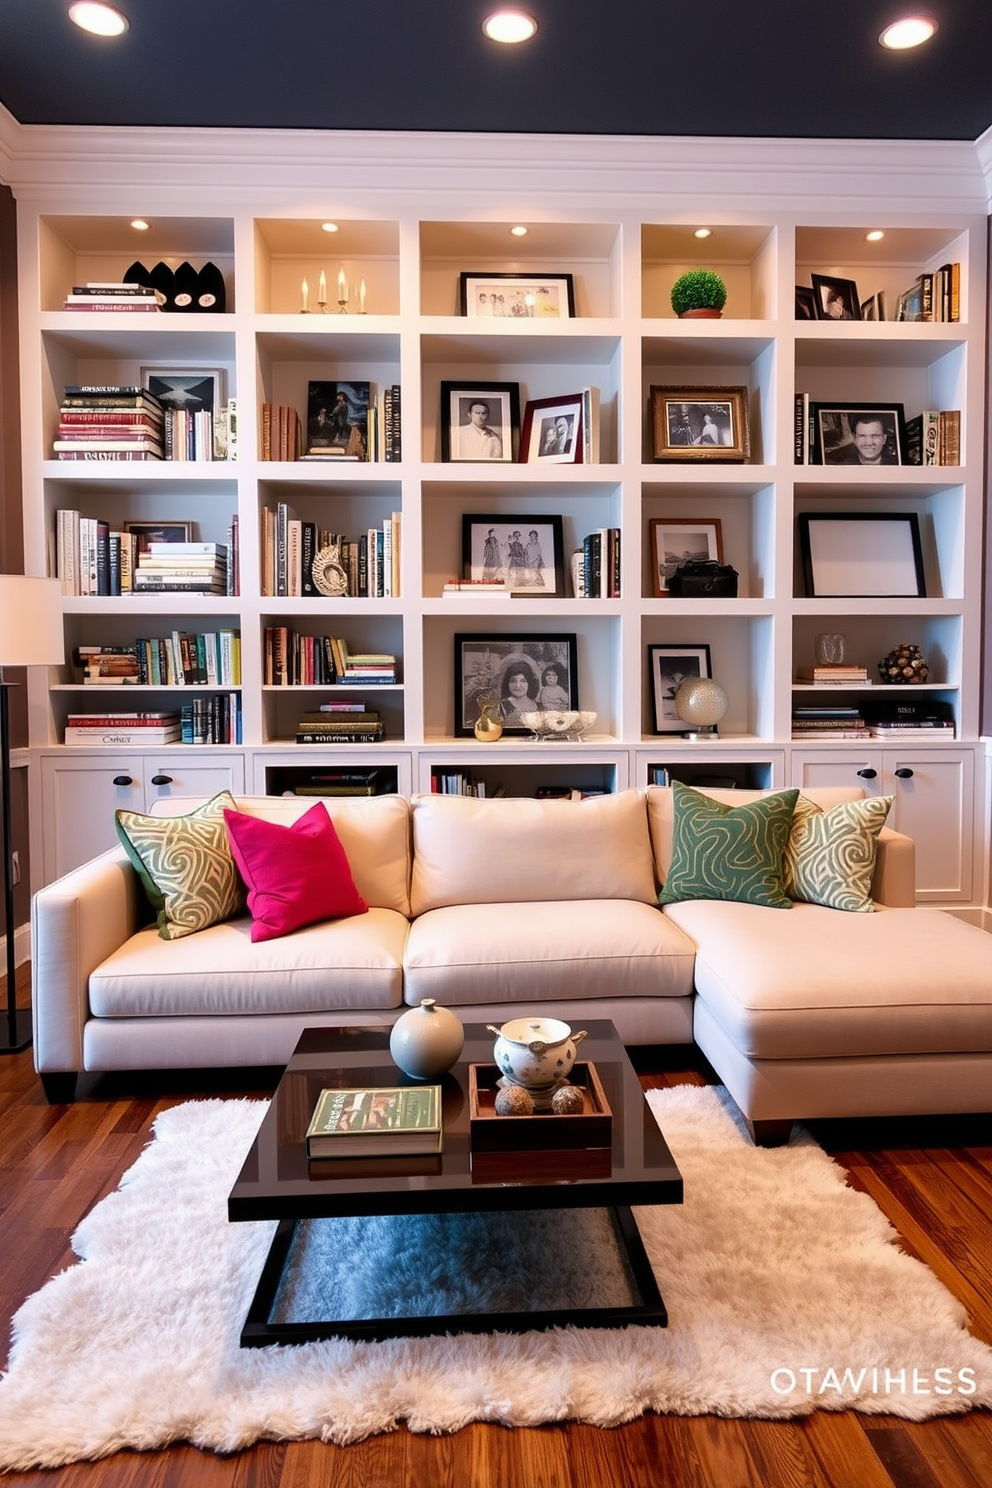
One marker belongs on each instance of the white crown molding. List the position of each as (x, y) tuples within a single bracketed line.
[(983, 150), (490, 172)]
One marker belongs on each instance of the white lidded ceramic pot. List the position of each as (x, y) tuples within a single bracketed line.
[(427, 1040), (537, 1053)]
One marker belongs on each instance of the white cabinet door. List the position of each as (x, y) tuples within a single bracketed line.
[(933, 796), (81, 795), (82, 792)]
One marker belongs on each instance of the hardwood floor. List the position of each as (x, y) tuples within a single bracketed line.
[(933, 1178)]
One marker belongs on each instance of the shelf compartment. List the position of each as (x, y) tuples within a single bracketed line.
[(80, 249), (590, 252), (741, 659), (747, 519), (701, 358), (891, 265), (941, 516), (745, 257), (289, 249)]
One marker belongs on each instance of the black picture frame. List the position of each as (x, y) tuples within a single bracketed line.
[(526, 552), (338, 418), (862, 555), (805, 303), (485, 665), (835, 299), (669, 666), (518, 297), (836, 441), (457, 400)]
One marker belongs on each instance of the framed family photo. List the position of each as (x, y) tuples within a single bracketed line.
[(668, 667), (552, 431), (868, 555), (499, 296), (835, 299), (675, 540), (699, 423), (858, 434), (525, 553), (480, 421), (526, 672)]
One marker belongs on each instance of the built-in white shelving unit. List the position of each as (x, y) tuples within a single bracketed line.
[(624, 250)]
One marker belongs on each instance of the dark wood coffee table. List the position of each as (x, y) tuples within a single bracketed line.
[(277, 1182)]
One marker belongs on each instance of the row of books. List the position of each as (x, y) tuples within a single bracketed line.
[(354, 781), (462, 783), (933, 296), (300, 559), (933, 437), (345, 422), (889, 719), (292, 659), (91, 558), (182, 659), (596, 565), (364, 726)]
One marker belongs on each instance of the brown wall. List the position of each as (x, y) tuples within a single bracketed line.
[(11, 522)]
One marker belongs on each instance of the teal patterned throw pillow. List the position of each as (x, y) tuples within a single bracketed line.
[(185, 865), (729, 852), (830, 855)]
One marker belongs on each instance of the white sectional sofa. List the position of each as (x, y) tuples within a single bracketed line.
[(492, 907)]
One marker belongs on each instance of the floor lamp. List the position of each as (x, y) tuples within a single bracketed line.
[(30, 635)]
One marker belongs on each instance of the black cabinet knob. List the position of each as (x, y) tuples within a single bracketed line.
[(904, 774), (123, 780), (868, 774), (161, 780)]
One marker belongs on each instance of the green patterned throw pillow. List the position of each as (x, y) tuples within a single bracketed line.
[(729, 852), (185, 865), (830, 855)]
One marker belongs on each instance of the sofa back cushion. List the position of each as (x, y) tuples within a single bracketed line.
[(374, 832), (661, 812), (504, 851)]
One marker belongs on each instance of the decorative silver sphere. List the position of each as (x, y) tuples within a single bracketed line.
[(701, 703)]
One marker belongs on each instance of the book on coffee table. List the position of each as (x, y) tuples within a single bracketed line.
[(376, 1121)]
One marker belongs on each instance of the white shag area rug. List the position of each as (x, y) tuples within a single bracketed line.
[(785, 1289)]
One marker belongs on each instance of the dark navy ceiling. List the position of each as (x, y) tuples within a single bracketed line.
[(699, 67)]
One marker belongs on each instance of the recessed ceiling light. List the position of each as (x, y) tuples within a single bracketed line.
[(875, 236), (911, 31), (139, 224), (519, 231), (703, 232), (328, 227), (509, 26), (100, 19)]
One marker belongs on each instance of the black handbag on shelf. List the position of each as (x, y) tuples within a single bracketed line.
[(704, 578)]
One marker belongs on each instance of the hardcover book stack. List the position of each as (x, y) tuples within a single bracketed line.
[(900, 721), (182, 568), (350, 782), (834, 674), (362, 727), (106, 295), (108, 664), (122, 730), (111, 422), (377, 667), (377, 1121), (823, 724)]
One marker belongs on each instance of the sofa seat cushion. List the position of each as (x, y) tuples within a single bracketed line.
[(350, 963), (821, 984), (527, 952), (506, 850)]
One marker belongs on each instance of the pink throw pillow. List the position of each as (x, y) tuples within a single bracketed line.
[(295, 875)]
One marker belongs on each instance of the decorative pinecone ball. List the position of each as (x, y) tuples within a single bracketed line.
[(568, 1101), (513, 1100), (903, 664)]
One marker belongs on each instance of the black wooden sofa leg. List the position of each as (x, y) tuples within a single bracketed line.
[(59, 1087), (770, 1133)]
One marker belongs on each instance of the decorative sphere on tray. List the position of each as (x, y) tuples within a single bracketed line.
[(513, 1100), (568, 1100)]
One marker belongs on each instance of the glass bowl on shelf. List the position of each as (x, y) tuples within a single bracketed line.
[(559, 723)]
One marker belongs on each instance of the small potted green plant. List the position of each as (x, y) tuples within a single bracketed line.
[(699, 293)]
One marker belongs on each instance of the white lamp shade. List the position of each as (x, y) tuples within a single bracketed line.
[(30, 621)]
